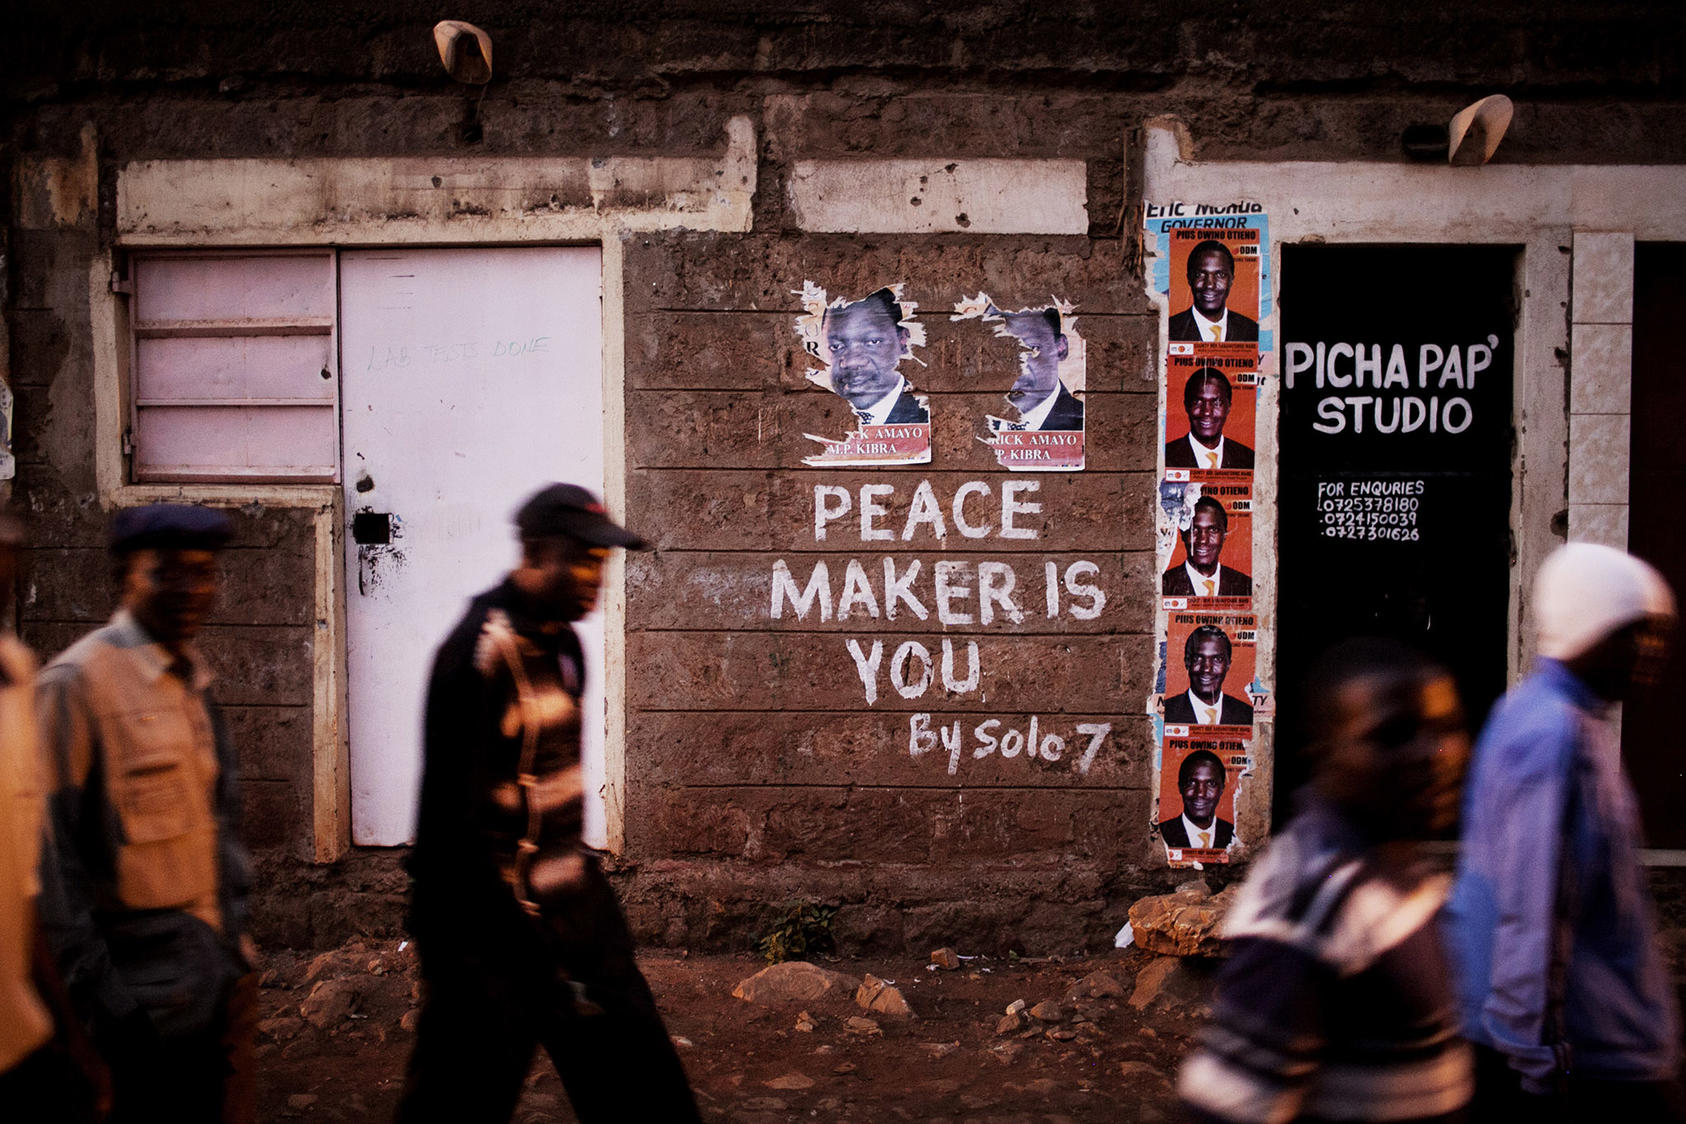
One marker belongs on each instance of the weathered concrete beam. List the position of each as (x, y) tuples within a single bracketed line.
[(451, 199)]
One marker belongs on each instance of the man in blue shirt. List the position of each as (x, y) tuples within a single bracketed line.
[(1562, 986)]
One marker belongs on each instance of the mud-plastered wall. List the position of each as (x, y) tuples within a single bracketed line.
[(910, 689), (786, 736)]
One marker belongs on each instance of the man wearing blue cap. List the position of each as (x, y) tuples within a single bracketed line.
[(144, 880), (521, 940)]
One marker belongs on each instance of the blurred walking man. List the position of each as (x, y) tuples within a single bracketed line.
[(144, 879), (39, 1082), (1564, 992), (1335, 1003), (521, 940)]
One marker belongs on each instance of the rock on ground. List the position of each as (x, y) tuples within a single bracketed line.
[(883, 998), (1184, 923), (794, 981), (1151, 980), (330, 1002), (1096, 985), (790, 1081)]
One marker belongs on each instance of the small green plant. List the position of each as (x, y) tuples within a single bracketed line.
[(804, 930)]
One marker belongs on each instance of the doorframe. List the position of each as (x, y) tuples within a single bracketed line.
[(409, 202), (1575, 225)]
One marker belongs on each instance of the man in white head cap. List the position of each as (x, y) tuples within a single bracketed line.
[(1563, 989)]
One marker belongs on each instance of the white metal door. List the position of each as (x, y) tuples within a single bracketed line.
[(470, 377)]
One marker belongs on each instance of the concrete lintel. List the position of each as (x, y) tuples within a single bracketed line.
[(332, 201), (1400, 202), (936, 196)]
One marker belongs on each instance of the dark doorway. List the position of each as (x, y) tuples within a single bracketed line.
[(1394, 459), (1657, 472)]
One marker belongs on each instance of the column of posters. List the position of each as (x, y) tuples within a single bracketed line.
[(1211, 265)]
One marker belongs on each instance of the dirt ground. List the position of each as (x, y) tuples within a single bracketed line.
[(335, 1037), (336, 1032)]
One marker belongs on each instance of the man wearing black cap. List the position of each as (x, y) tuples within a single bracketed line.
[(144, 880), (521, 940)]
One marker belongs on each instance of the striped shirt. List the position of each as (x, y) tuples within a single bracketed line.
[(503, 797), (1336, 1003)]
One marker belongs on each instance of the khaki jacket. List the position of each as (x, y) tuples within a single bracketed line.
[(147, 879), (25, 1024)]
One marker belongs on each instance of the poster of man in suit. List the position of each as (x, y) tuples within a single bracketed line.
[(1200, 778), (1214, 286), (1211, 565), (862, 343), (1209, 412), (1046, 431), (1209, 670)]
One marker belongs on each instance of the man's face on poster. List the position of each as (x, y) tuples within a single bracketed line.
[(1209, 278), (1206, 534), (1208, 664), (1039, 360), (863, 344), (1201, 790), (1208, 411)]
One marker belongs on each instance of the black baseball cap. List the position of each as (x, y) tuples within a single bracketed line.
[(568, 509), (176, 526)]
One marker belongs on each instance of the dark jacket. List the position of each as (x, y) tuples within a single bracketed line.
[(1179, 455), (1176, 835), (1231, 583), (907, 410), (1231, 711), (1067, 413), (1184, 329), (467, 834)]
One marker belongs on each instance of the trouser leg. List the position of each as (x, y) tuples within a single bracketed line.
[(1499, 1096), (46, 1088), (474, 1046), (181, 1081), (1655, 1102), (619, 1064), (239, 1050)]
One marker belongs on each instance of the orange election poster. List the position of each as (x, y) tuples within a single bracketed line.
[(1200, 777), (1211, 564), (1214, 284), (1209, 415), (1209, 667)]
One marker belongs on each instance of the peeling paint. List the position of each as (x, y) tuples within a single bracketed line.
[(57, 191)]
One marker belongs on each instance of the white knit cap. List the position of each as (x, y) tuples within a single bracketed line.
[(1584, 592)]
